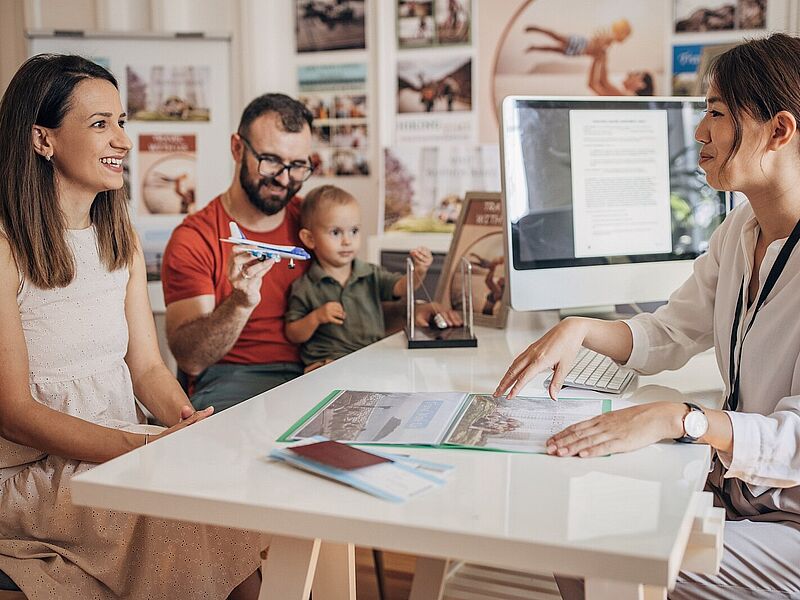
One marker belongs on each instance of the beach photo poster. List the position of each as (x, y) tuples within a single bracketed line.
[(336, 95), (478, 238), (168, 92), (168, 174), (323, 25)]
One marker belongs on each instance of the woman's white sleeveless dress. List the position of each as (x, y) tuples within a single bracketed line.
[(77, 338)]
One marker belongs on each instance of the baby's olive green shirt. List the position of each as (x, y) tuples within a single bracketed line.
[(361, 298)]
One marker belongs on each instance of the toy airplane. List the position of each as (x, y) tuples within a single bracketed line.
[(262, 250)]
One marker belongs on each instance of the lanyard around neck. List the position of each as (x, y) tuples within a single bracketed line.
[(732, 401)]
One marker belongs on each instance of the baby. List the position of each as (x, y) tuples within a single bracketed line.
[(577, 45), (335, 308)]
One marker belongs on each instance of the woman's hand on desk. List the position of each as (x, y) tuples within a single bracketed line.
[(620, 430), (555, 350), (189, 416)]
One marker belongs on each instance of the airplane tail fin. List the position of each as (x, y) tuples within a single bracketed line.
[(236, 232)]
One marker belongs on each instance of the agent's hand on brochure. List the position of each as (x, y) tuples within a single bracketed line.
[(555, 350), (620, 430), (245, 274)]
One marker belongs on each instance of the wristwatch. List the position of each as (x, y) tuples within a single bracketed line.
[(695, 424)]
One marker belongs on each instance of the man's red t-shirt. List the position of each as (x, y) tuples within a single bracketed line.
[(194, 265)]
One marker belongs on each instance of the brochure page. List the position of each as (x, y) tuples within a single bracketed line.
[(380, 417), (520, 424)]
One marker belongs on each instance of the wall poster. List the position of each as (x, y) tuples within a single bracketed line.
[(434, 98), (336, 95), (424, 185), (323, 25), (425, 23)]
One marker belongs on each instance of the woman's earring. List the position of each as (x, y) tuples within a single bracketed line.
[(47, 157)]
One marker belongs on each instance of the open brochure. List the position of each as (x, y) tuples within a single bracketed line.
[(446, 419)]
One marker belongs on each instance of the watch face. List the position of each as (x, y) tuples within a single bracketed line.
[(695, 424)]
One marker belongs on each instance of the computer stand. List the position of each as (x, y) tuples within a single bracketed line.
[(434, 337)]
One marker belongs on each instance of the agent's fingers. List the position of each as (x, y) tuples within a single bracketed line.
[(186, 412), (577, 430), (557, 381), (524, 375), (520, 363), (585, 445)]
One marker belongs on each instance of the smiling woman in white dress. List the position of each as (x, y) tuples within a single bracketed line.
[(77, 345), (744, 300)]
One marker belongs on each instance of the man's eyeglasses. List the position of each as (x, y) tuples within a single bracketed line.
[(270, 165)]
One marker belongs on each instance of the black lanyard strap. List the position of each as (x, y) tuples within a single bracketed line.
[(732, 401)]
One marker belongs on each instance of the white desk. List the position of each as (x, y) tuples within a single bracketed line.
[(619, 521)]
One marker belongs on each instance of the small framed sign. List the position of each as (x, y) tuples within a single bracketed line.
[(478, 237)]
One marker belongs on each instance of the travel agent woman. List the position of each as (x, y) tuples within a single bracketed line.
[(744, 300)]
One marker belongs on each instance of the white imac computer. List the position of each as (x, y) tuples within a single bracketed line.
[(604, 202)]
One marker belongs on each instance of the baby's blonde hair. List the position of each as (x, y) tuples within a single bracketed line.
[(319, 198), (621, 29)]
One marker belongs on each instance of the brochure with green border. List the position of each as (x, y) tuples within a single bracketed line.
[(442, 419)]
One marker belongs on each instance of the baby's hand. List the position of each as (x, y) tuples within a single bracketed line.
[(422, 258), (331, 312)]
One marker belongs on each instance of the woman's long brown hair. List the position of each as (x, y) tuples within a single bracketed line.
[(30, 215)]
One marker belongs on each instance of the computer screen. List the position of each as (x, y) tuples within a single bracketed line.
[(604, 201)]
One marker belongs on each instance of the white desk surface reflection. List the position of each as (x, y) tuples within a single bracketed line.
[(625, 517)]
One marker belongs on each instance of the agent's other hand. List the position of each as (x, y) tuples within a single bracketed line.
[(245, 274), (555, 350), (422, 258), (331, 312), (189, 416), (620, 430)]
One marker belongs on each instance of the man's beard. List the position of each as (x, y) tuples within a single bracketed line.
[(274, 203)]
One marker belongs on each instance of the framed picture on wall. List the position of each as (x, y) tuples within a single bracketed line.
[(478, 237)]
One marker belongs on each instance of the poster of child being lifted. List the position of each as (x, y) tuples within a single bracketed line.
[(602, 47)]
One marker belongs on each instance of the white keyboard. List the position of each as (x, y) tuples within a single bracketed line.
[(593, 371)]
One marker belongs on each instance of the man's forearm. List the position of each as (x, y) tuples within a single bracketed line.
[(199, 344)]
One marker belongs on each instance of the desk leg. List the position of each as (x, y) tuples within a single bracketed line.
[(289, 569), (429, 579), (605, 589), (335, 578)]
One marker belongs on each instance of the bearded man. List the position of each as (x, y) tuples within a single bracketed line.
[(225, 309)]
